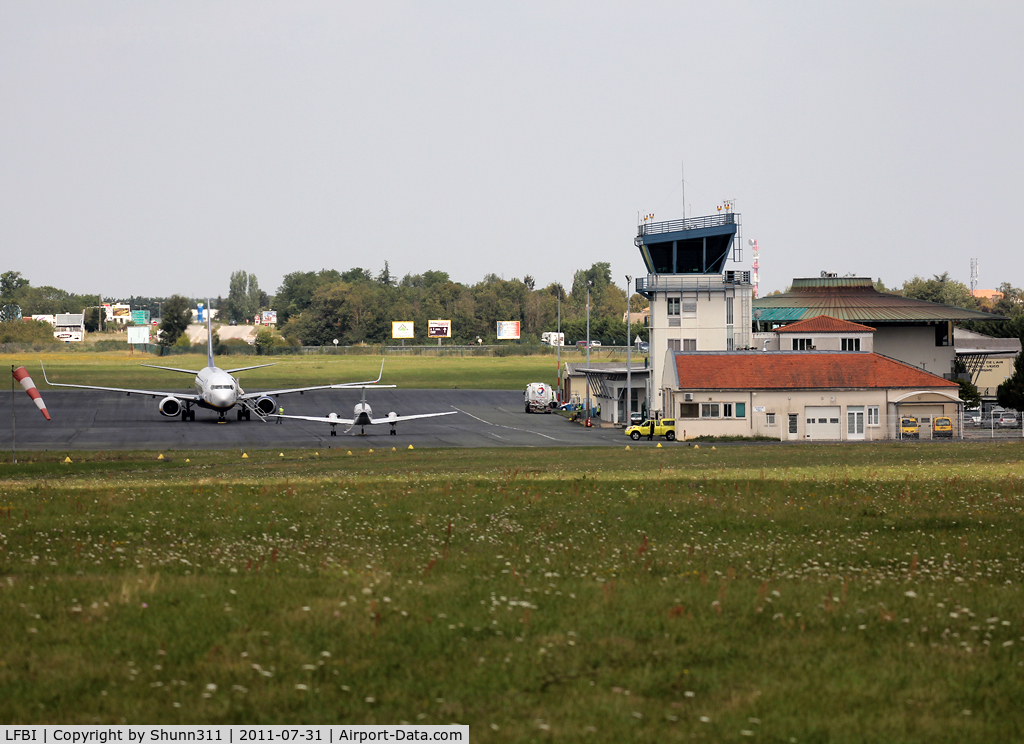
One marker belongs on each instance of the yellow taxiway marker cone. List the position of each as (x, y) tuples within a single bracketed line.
[(659, 446), (161, 457), (187, 460), (316, 454), (245, 456), (371, 451), (627, 446), (282, 454), (350, 452), (410, 446), (67, 459), (712, 446), (696, 446), (394, 449)]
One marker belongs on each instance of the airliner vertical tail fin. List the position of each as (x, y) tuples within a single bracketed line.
[(209, 335)]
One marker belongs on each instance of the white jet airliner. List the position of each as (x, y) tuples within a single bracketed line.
[(216, 389), (362, 415)]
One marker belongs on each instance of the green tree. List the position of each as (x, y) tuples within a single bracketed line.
[(940, 288), (177, 316), (1010, 394), (243, 297), (969, 393), (27, 332)]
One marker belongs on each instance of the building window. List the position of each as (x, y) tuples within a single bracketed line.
[(673, 306), (851, 344), (673, 344), (689, 344), (872, 415), (741, 410), (802, 344), (710, 410), (727, 410), (728, 311), (769, 419)]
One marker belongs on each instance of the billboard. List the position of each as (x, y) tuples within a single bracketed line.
[(118, 313), (439, 329), (508, 330), (138, 334), (402, 329), (270, 317)]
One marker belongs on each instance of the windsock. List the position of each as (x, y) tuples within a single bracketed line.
[(21, 375)]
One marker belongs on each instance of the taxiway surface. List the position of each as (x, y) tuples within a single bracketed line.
[(97, 420)]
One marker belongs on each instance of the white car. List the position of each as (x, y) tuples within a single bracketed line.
[(1006, 420)]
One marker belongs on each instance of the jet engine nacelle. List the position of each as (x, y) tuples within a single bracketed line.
[(266, 405), (170, 406)]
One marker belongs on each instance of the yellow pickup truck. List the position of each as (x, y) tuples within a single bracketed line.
[(662, 428)]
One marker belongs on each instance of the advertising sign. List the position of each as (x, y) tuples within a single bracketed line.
[(138, 334), (402, 329), (439, 329), (270, 317), (199, 311), (118, 313), (508, 330)]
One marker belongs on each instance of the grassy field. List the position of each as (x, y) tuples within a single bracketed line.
[(806, 593), (121, 370)]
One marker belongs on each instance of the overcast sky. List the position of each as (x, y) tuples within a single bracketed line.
[(152, 148)]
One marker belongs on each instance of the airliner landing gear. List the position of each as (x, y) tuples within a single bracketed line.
[(187, 414)]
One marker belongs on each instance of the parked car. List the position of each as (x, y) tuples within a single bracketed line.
[(1006, 420), (643, 347), (942, 427), (972, 417), (909, 428), (662, 428)]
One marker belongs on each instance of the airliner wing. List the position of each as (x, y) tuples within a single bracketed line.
[(285, 391), (394, 419), (319, 419), (240, 369), (129, 391), (172, 369)]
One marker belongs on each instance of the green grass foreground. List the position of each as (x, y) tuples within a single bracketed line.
[(123, 370), (806, 593)]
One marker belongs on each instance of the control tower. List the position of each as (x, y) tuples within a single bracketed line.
[(696, 304)]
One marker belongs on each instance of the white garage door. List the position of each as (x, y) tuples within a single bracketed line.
[(822, 422)]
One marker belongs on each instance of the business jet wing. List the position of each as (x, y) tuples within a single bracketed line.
[(396, 419), (192, 397), (332, 419), (285, 391)]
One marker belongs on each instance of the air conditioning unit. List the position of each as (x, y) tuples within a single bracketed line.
[(688, 396)]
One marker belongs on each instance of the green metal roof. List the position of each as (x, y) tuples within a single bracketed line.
[(855, 299)]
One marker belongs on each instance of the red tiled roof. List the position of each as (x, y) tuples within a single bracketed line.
[(772, 370), (824, 324)]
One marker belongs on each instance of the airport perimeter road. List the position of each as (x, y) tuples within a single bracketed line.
[(97, 420)]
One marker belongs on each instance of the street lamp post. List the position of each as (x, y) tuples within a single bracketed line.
[(590, 284), (629, 356)]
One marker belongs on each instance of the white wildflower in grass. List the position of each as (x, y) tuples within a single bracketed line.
[(705, 719), (1007, 644), (369, 699), (326, 654), (689, 693), (305, 609), (211, 687), (637, 714), (912, 594), (301, 687), (309, 667)]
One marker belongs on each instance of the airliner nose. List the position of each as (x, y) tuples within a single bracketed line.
[(222, 398)]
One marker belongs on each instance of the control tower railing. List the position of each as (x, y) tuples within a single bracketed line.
[(692, 223), (682, 282)]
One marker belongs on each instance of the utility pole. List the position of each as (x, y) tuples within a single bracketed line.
[(558, 346), (590, 284), (629, 356)]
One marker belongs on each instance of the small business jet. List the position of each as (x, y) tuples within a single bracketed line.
[(216, 389), (362, 415)]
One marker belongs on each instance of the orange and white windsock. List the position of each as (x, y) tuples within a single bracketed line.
[(21, 375)]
